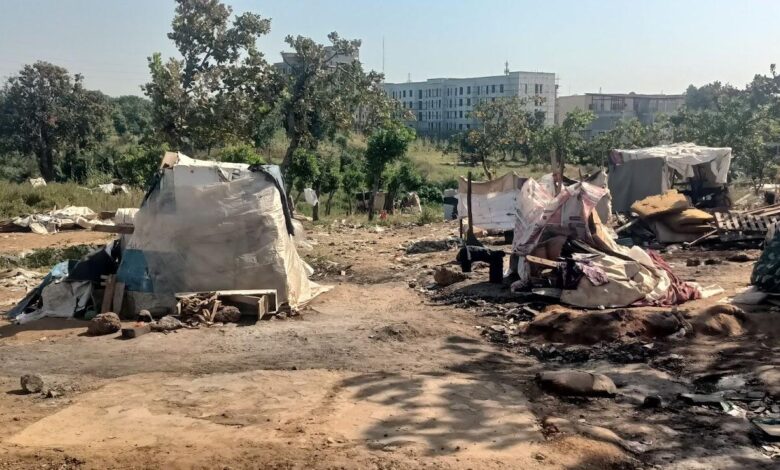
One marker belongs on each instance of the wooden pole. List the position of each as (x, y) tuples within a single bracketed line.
[(471, 239)]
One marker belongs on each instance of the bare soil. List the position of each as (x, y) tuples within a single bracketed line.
[(373, 374)]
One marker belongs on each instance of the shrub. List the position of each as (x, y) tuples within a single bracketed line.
[(430, 214)]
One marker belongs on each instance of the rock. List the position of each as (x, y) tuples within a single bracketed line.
[(575, 382), (104, 324), (166, 323), (31, 383), (52, 393), (145, 316), (740, 257), (446, 277), (720, 320), (692, 262), (711, 261), (228, 314)]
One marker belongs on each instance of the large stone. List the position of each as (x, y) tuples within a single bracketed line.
[(227, 314), (104, 324), (446, 277), (166, 323), (31, 383), (576, 382)]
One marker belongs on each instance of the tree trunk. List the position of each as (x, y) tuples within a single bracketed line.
[(46, 164), (374, 190), (295, 142), (488, 173), (327, 205)]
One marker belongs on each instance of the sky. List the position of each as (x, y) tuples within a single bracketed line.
[(648, 46)]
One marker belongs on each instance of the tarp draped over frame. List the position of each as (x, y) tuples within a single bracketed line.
[(493, 201), (213, 226), (638, 173)]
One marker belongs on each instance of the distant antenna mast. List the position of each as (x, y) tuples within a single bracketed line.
[(408, 78), (383, 55), (506, 68)]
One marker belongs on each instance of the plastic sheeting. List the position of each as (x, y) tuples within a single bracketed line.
[(493, 201), (209, 226), (638, 173), (635, 276)]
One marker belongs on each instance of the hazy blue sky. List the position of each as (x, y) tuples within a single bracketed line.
[(616, 45)]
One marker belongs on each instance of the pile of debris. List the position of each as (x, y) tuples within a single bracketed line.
[(72, 218), (566, 253), (672, 217), (206, 308)]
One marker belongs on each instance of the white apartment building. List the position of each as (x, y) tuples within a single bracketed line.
[(443, 106)]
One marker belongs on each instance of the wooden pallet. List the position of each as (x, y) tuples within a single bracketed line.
[(733, 226)]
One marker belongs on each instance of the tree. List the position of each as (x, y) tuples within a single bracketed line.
[(353, 177), (629, 134), (325, 88), (303, 171), (745, 120), (131, 116), (503, 127), (385, 145), (221, 88), (46, 112), (563, 142)]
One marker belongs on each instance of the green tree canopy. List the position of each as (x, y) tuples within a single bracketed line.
[(46, 112), (385, 145), (325, 89), (221, 88)]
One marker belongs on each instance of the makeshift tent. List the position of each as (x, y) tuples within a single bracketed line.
[(638, 173), (595, 271), (493, 202), (208, 226)]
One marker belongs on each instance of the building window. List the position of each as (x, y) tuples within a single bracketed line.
[(501, 88), (461, 90), (404, 92), (419, 116), (450, 103), (419, 94), (461, 114), (460, 127), (468, 101), (419, 105), (460, 101), (468, 126), (478, 89), (526, 89), (492, 88), (493, 99), (468, 90), (538, 88)]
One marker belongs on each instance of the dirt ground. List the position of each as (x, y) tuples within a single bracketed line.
[(377, 373)]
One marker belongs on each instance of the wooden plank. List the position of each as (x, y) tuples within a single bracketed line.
[(108, 295), (118, 297), (542, 261), (118, 228)]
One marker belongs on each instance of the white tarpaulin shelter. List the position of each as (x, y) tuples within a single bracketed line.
[(638, 173), (493, 201), (208, 226)]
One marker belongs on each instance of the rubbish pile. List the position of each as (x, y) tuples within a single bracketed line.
[(71, 218), (672, 217), (565, 252)]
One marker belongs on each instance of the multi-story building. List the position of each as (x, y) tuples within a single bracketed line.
[(442, 106), (611, 108)]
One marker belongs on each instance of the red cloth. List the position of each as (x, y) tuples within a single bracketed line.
[(679, 291)]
